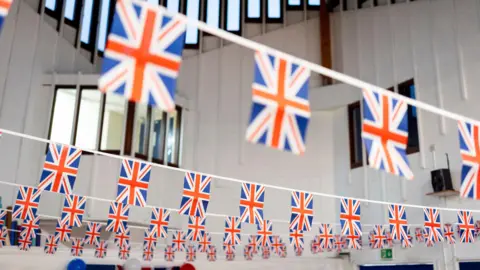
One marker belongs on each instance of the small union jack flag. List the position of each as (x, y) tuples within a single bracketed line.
[(101, 249), (265, 233), (60, 168), (147, 254), (433, 225), (30, 228), (133, 183), (350, 222), (3, 218), (420, 235), (122, 238), (388, 239), (24, 243), (252, 198), (228, 248), (149, 240), (466, 229), (397, 218), (233, 228), (143, 55), (212, 254), (469, 150), (77, 247), (3, 236), (385, 133), (280, 109), (296, 238), (248, 253), (407, 241), (73, 210), (169, 253), (277, 244), (265, 253), (92, 235), (378, 236), (283, 251), (117, 217), (326, 236), (124, 252), (51, 245), (298, 252), (449, 233), (196, 227), (191, 253), (196, 195), (178, 241), (477, 228), (159, 222), (4, 8), (205, 242), (254, 243), (339, 242), (371, 240), (63, 231), (230, 255), (314, 246), (302, 211), (26, 205)]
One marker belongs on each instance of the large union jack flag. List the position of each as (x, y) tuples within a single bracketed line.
[(233, 228), (30, 228), (302, 211), (433, 225), (265, 233), (63, 231), (326, 236), (101, 249), (60, 168), (196, 195), (159, 222), (26, 205), (92, 235), (252, 198), (4, 8), (397, 218), (205, 242), (169, 253), (350, 222), (280, 109), (178, 241), (77, 247), (385, 133), (466, 229), (143, 55), (449, 233), (117, 217), (296, 238), (470, 152), (133, 183), (196, 227), (51, 245), (73, 210)]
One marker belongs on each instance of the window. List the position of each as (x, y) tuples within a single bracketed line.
[(407, 89), (87, 21), (295, 4), (70, 9), (158, 135), (274, 10), (232, 17), (173, 136), (355, 135), (142, 129), (173, 5), (62, 117), (104, 15), (88, 118), (254, 10), (192, 11), (313, 4), (212, 17)]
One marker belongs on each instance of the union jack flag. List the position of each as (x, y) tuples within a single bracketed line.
[(283, 251), (449, 234), (196, 227), (314, 245), (63, 231), (429, 242), (228, 247), (296, 238), (73, 210), (149, 241), (124, 252), (477, 228), (233, 228), (101, 249), (169, 253), (3, 236), (350, 222), (159, 222), (378, 235), (122, 238), (26, 205), (280, 109), (212, 254), (302, 211), (276, 244), (60, 168), (147, 254), (191, 253), (298, 252), (265, 233), (248, 253), (24, 243), (117, 217), (466, 229), (196, 195), (469, 145), (397, 218), (385, 133), (326, 237), (205, 242), (371, 240), (30, 228), (254, 243), (420, 235), (143, 55), (433, 225), (133, 183), (388, 239), (77, 247), (92, 235), (178, 241), (265, 253), (407, 241), (51, 245), (230, 255), (339, 243), (252, 198), (3, 218), (4, 8)]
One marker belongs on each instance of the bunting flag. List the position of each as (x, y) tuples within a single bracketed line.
[(4, 8), (254, 243), (169, 253), (122, 238), (302, 211), (191, 253), (124, 251), (466, 229), (449, 233), (428, 241), (339, 243), (469, 145), (388, 240), (101, 249), (477, 228), (280, 107), (350, 222), (63, 231), (205, 242), (326, 237), (178, 241), (51, 245), (233, 228), (148, 254), (24, 243), (371, 240), (315, 246), (3, 236), (196, 195), (252, 198), (433, 225), (73, 210), (230, 255), (397, 218), (298, 252), (30, 228), (133, 183), (3, 218), (420, 235), (248, 253), (378, 236), (385, 133), (117, 217), (77, 247), (265, 252), (276, 244), (196, 227), (159, 222), (228, 247), (60, 168), (283, 251), (92, 235), (407, 241), (143, 55), (26, 205), (149, 241), (212, 254), (296, 238), (265, 233)]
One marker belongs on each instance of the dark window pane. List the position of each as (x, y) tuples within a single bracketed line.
[(87, 21), (173, 132), (233, 15), (213, 13), (63, 113), (357, 131), (193, 11), (412, 95), (158, 134), (253, 9), (113, 118), (88, 118), (142, 129), (408, 89), (274, 9)]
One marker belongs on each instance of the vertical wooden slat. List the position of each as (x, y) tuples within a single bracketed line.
[(325, 39)]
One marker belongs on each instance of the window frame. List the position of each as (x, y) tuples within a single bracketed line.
[(251, 19), (351, 136), (225, 16), (274, 20), (296, 8), (402, 87)]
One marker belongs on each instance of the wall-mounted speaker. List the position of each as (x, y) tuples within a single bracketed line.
[(441, 180)]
